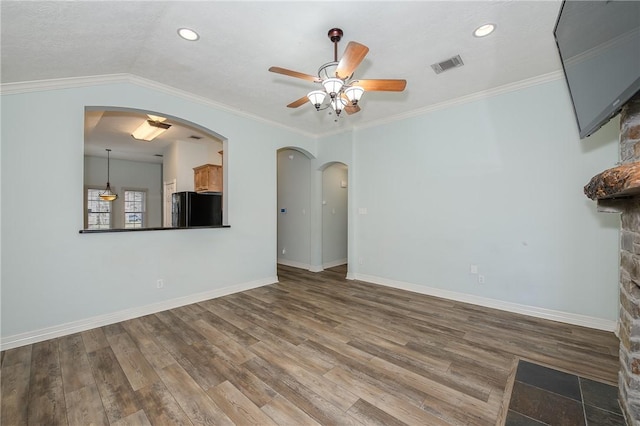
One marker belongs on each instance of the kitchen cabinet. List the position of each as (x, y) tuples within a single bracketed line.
[(207, 178)]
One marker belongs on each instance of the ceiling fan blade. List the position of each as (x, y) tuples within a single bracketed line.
[(352, 109), (353, 55), (381, 85), (296, 74), (299, 102)]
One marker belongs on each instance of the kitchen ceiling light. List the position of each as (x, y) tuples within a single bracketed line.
[(108, 194), (484, 30), (188, 34), (150, 129)]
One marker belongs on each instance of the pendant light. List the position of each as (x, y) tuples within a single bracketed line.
[(108, 194)]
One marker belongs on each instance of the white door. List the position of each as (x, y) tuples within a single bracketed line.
[(169, 189)]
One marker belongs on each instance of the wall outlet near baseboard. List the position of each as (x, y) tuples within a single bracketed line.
[(160, 283), (481, 279)]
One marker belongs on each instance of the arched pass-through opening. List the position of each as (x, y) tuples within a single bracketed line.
[(149, 168)]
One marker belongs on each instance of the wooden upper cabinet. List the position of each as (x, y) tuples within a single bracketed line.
[(207, 178)]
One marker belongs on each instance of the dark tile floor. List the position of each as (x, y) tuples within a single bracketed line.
[(543, 396)]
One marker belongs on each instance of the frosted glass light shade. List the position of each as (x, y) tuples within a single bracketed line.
[(354, 94), (337, 105), (316, 98), (332, 86)]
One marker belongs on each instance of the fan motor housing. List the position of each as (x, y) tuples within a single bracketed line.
[(335, 34)]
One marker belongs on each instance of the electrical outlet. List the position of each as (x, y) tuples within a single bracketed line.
[(481, 279), (160, 283), (284, 251)]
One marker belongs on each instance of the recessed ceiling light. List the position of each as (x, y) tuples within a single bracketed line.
[(484, 30), (188, 34)]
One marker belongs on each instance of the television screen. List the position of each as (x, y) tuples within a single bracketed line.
[(599, 46)]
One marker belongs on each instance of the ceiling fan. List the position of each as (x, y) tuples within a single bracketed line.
[(339, 90)]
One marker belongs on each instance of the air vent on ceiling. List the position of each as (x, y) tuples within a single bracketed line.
[(448, 64), (195, 137)]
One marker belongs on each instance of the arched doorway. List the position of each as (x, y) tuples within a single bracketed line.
[(294, 208), (335, 217), (312, 215)]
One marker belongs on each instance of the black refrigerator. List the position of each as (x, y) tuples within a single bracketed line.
[(194, 209)]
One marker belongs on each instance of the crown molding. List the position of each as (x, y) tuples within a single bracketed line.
[(75, 82), (506, 88), (95, 80), (62, 83)]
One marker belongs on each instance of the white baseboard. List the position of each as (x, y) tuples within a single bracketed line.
[(566, 317), (334, 263), (311, 268), (35, 336), (40, 335), (294, 264)]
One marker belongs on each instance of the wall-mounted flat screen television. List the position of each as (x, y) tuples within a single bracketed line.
[(599, 46)]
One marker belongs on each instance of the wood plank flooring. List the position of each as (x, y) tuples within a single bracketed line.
[(312, 349)]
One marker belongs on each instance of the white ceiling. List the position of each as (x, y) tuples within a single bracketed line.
[(240, 40), (112, 129)]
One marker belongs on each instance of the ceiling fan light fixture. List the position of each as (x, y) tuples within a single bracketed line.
[(354, 94), (337, 80), (332, 86), (149, 130), (316, 98)]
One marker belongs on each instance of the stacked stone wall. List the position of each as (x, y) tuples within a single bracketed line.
[(629, 324)]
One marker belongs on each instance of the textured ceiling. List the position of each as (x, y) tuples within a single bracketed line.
[(240, 40)]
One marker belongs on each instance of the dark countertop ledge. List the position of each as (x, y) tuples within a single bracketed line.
[(107, 231)]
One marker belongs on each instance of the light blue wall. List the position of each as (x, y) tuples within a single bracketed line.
[(53, 275), (125, 174), (496, 183)]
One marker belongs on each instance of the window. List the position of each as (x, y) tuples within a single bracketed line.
[(98, 211), (134, 209)]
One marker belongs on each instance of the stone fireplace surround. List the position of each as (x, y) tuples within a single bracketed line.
[(618, 190)]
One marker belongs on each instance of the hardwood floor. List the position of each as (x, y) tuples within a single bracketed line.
[(312, 349)]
